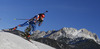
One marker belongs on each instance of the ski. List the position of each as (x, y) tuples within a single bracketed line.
[(11, 29)]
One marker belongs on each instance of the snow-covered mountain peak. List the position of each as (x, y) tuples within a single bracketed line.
[(75, 32), (69, 33)]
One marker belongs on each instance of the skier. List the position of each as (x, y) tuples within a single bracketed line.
[(38, 19)]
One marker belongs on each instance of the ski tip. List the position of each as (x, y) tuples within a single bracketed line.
[(45, 11)]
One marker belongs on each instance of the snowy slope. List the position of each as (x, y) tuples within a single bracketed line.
[(11, 41)]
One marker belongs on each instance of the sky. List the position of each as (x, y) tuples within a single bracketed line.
[(62, 13)]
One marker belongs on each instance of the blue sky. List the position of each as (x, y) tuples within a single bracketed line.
[(62, 13)]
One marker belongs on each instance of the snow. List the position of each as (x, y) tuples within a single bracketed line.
[(79, 33), (11, 41)]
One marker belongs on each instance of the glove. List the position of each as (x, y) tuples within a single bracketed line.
[(14, 28)]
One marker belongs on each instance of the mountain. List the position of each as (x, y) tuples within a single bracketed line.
[(66, 33), (69, 38), (11, 41), (83, 44), (66, 38)]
